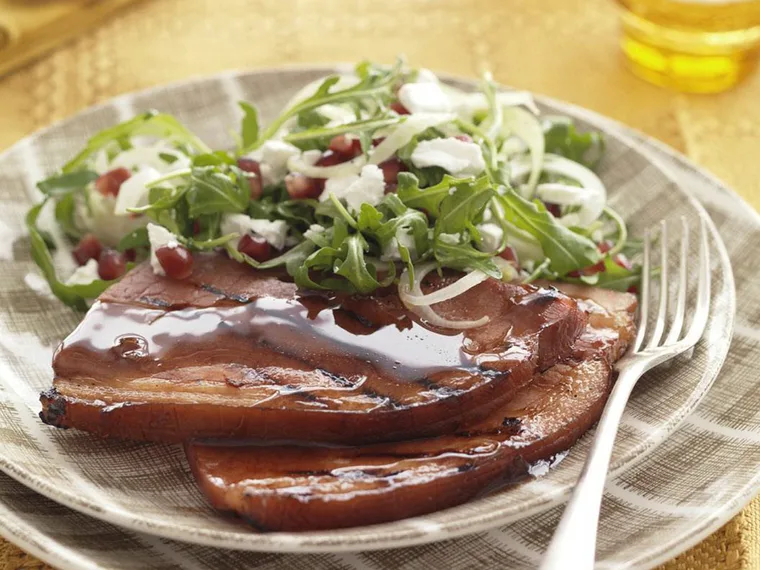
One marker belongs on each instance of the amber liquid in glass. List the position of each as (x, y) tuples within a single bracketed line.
[(702, 46)]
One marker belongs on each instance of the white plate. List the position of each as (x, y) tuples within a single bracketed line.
[(147, 488)]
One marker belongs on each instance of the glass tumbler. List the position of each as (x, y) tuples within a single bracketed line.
[(698, 46)]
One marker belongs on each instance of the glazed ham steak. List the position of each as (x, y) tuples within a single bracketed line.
[(235, 353), (292, 488)]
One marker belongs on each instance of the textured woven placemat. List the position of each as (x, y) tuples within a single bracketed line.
[(165, 40)]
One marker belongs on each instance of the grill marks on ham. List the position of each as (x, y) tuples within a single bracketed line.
[(291, 488), (233, 353)]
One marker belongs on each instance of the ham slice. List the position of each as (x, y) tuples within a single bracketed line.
[(297, 488), (236, 353)]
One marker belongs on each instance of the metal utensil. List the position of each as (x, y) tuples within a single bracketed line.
[(574, 541)]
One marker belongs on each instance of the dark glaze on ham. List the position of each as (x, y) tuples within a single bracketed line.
[(234, 353), (292, 488)]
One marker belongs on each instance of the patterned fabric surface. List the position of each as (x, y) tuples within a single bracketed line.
[(160, 41)]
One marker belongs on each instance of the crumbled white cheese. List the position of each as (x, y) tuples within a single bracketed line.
[(273, 160), (314, 231), (451, 239), (37, 283), (368, 188), (273, 232), (159, 237), (491, 235), (338, 186), (460, 158), (85, 274), (133, 192), (424, 97), (402, 238)]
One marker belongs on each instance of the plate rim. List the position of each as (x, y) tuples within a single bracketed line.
[(319, 542)]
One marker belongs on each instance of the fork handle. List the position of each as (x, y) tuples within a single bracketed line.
[(574, 541)]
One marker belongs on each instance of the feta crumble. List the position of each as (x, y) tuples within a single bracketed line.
[(274, 232), (491, 236), (314, 231), (367, 188), (460, 158), (402, 238), (424, 97), (85, 274), (273, 159)]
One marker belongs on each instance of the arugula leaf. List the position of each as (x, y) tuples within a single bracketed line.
[(210, 244), (614, 277), (62, 184), (135, 239), (211, 190), (355, 128), (562, 138), (369, 219), (216, 158), (354, 267), (374, 83), (311, 119), (459, 209), (291, 259), (465, 257), (65, 208), (429, 199), (150, 123), (72, 295), (566, 249), (249, 126), (160, 198)]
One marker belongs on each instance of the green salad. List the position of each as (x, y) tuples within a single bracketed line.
[(364, 181)]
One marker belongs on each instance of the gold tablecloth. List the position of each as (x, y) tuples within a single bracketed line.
[(563, 48)]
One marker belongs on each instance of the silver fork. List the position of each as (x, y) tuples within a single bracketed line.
[(574, 542)]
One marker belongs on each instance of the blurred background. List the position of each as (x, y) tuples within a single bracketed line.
[(637, 61), (568, 49)]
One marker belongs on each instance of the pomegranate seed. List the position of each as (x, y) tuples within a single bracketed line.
[(399, 108), (346, 146), (588, 271), (377, 141), (553, 209), (623, 261), (331, 158), (88, 248), (130, 254), (605, 246), (112, 264), (509, 254), (391, 168), (252, 166), (196, 227), (390, 188), (633, 289), (177, 262), (464, 138), (109, 183), (301, 187), (255, 247)]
